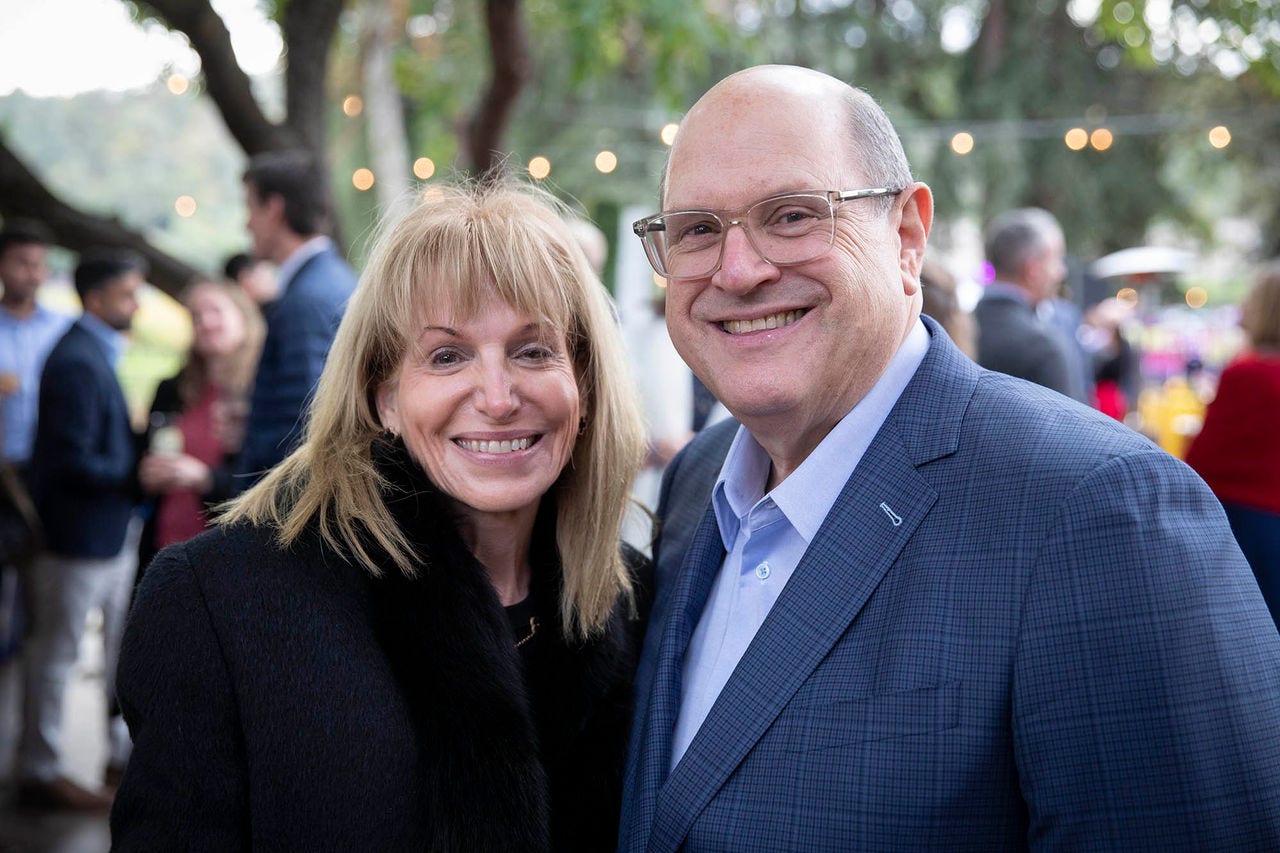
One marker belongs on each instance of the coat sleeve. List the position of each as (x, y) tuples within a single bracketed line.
[(1146, 699), (186, 784)]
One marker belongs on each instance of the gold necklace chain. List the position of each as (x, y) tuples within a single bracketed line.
[(533, 629)]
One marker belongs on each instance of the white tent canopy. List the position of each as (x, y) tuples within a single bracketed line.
[(1142, 259)]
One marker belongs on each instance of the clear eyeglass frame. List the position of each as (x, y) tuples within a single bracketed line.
[(787, 250)]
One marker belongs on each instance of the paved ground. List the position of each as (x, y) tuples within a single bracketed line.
[(33, 832)]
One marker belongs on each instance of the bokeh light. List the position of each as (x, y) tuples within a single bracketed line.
[(668, 133), (423, 168), (177, 84), (659, 281), (362, 179), (185, 206), (353, 105), (1076, 138), (1220, 137), (539, 167), (962, 143), (1101, 139), (606, 162), (1196, 297), (1128, 296)]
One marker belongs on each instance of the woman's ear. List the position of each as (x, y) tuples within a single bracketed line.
[(388, 401)]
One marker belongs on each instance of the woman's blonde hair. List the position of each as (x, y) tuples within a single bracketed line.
[(1260, 316), (463, 246), (194, 375)]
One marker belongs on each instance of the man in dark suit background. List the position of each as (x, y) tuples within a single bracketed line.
[(918, 605), (288, 215), (84, 489), (1026, 249)]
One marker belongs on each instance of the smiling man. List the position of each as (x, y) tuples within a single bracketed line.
[(910, 604)]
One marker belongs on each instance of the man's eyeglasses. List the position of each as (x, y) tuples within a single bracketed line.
[(785, 229)]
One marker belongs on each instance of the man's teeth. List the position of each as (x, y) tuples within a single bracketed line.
[(773, 321), (495, 446)]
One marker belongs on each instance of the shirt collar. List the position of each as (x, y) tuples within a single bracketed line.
[(300, 256), (114, 341), (806, 497)]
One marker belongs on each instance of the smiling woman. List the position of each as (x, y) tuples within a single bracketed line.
[(418, 630)]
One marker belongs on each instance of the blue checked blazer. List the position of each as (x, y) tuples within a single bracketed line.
[(1022, 626)]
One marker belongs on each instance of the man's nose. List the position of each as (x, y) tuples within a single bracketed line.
[(742, 267)]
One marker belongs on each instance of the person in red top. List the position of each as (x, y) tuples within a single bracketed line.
[(1236, 452), (197, 416)]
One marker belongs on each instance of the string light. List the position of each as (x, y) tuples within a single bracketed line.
[(962, 143), (606, 162), (539, 168), (353, 105), (362, 179), (1220, 136), (185, 206), (668, 134), (1076, 138), (1196, 297), (424, 168), (178, 84), (1101, 139)]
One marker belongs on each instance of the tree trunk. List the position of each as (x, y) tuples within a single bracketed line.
[(388, 141), (22, 194), (511, 64)]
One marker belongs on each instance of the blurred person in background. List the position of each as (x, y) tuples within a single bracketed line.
[(197, 417), (1026, 249), (84, 488), (1113, 359), (1237, 452), (256, 277), (288, 215), (28, 331), (415, 633), (942, 303)]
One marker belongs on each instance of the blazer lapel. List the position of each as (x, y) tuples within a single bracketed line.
[(660, 678), (876, 513)]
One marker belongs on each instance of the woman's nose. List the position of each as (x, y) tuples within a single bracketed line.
[(496, 393)]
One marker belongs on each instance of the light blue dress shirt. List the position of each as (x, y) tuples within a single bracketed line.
[(25, 343), (300, 256), (765, 535)]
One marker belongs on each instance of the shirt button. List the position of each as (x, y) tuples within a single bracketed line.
[(762, 571)]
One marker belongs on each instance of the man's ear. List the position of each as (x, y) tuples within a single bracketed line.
[(914, 222), (388, 402)]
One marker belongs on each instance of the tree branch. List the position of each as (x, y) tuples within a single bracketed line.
[(227, 84), (512, 65), (22, 194)]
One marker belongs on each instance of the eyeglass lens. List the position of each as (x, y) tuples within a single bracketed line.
[(785, 230)]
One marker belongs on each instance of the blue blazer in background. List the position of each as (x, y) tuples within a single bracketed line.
[(300, 329), (83, 464), (1022, 626)]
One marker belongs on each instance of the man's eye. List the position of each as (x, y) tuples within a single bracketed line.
[(695, 229)]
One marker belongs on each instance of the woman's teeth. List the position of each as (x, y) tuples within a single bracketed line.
[(495, 446), (773, 321)]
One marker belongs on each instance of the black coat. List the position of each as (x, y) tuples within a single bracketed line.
[(283, 699)]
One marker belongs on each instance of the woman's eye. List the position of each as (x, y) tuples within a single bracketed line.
[(535, 352), (444, 358)]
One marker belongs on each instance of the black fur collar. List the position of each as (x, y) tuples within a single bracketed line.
[(513, 756)]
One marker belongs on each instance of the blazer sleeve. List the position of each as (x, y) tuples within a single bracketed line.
[(1146, 697), (186, 784)]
